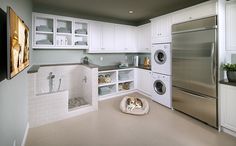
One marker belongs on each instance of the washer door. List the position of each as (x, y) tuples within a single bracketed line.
[(160, 57), (159, 87)]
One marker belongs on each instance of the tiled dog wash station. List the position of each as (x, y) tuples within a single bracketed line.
[(61, 91)]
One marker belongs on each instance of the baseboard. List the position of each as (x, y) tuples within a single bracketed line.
[(144, 93), (125, 93), (25, 134), (116, 95), (230, 132)]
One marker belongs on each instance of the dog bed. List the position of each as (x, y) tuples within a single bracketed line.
[(136, 111)]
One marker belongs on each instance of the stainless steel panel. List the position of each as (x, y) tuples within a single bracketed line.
[(202, 108), (195, 25), (194, 61)]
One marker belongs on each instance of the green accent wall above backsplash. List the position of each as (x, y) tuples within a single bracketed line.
[(72, 56), (233, 58)]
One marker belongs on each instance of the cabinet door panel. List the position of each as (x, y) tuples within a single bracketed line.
[(95, 39), (130, 38), (228, 107), (196, 12), (120, 37), (161, 29), (108, 34), (230, 26), (144, 81)]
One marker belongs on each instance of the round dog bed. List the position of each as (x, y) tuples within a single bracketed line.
[(136, 111)]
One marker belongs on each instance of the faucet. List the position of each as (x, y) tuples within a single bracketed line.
[(50, 78)]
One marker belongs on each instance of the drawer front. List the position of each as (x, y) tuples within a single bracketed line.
[(202, 108)]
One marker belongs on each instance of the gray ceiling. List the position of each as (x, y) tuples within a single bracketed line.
[(113, 10)]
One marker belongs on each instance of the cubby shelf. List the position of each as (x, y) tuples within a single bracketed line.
[(125, 81), (118, 78), (106, 84)]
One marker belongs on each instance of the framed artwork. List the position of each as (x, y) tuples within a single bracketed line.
[(18, 44)]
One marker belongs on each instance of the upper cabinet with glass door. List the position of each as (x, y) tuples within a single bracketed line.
[(58, 32), (43, 31)]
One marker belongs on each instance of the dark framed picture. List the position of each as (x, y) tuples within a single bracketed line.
[(3, 45), (18, 44)]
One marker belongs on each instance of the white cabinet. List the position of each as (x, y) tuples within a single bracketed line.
[(144, 81), (95, 37), (112, 38), (108, 37), (58, 32), (161, 29), (120, 37), (131, 39), (125, 38), (144, 38), (230, 26), (195, 12), (228, 108)]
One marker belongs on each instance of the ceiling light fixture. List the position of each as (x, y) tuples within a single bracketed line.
[(131, 12)]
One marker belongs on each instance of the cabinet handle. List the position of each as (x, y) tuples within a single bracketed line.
[(190, 17), (103, 48)]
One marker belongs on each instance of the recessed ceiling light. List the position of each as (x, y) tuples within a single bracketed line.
[(131, 12)]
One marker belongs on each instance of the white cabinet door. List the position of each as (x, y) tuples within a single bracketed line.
[(125, 38), (230, 26), (95, 37), (196, 12), (120, 37), (144, 81), (144, 38), (161, 29), (228, 108), (131, 41), (108, 37)]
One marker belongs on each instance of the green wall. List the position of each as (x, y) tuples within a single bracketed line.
[(233, 58), (13, 93)]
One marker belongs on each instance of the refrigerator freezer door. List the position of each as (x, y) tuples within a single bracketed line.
[(194, 61), (202, 108)]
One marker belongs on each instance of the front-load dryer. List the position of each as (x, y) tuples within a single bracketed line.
[(161, 91), (161, 59)]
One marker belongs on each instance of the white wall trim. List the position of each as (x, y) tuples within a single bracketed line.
[(230, 132), (125, 93), (25, 135)]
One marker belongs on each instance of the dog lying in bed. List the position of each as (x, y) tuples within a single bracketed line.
[(133, 102)]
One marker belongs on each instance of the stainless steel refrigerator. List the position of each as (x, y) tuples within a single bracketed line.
[(194, 69)]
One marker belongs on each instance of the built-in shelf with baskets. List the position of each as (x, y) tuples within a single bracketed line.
[(58, 32), (115, 81), (125, 86)]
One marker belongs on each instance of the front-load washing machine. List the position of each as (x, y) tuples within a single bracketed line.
[(161, 91), (161, 59)]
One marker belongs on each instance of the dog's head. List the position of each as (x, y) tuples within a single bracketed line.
[(131, 100)]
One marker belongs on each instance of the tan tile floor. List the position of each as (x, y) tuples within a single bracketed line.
[(110, 127)]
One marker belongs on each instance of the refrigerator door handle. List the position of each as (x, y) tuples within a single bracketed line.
[(213, 67)]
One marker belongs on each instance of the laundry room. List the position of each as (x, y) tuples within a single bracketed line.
[(79, 73)]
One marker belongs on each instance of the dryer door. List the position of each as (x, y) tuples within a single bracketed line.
[(160, 57), (159, 87)]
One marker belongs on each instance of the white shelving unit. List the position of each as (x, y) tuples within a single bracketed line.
[(120, 81), (58, 32)]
